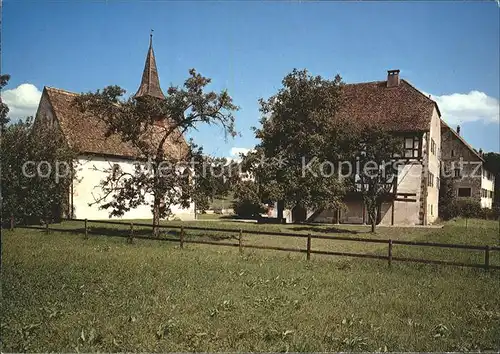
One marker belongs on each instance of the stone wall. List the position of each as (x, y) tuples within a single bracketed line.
[(457, 155)]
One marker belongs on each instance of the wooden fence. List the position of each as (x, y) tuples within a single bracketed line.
[(130, 236)]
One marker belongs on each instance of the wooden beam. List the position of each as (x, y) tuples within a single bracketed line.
[(405, 200), (392, 213)]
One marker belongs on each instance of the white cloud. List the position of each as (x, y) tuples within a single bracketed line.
[(22, 100), (236, 151), (235, 154), (458, 108)]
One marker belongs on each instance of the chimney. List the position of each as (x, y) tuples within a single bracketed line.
[(392, 78), (458, 129), (481, 152)]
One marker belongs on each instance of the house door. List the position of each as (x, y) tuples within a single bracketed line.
[(299, 214)]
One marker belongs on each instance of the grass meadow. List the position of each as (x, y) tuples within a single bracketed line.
[(63, 293)]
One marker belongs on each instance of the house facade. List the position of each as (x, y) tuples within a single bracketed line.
[(98, 153), (399, 108), (466, 168)]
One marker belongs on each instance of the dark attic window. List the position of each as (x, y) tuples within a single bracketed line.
[(464, 192)]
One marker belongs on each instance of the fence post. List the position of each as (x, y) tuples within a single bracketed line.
[(11, 222), (47, 225), (240, 245), (131, 236), (487, 257), (308, 246), (182, 237), (389, 253), (86, 230)]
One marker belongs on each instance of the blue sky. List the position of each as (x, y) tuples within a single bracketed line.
[(447, 49)]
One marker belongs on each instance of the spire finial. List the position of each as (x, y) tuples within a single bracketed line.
[(150, 83)]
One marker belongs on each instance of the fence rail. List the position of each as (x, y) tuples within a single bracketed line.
[(181, 240)]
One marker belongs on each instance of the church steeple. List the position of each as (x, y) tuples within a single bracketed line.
[(150, 83)]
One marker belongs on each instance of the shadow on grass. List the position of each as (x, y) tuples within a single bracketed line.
[(144, 232), (328, 230), (141, 232)]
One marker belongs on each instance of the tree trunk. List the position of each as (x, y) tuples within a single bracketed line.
[(280, 206), (372, 213), (156, 217), (156, 201)]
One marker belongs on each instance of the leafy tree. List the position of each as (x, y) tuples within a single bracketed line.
[(37, 170), (154, 127), (468, 208), (378, 168), (446, 198), (299, 132), (4, 110), (247, 200), (214, 178), (493, 164)]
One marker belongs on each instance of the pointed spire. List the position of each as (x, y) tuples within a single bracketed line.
[(150, 83)]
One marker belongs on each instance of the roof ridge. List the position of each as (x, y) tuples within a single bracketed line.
[(416, 89), (420, 92), (61, 90), (364, 83)]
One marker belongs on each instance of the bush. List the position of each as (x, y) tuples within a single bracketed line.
[(491, 214), (463, 207), (247, 202), (468, 208)]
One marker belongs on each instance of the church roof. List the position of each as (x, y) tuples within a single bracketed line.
[(150, 83), (87, 134)]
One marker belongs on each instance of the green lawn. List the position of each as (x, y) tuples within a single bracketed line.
[(63, 293)]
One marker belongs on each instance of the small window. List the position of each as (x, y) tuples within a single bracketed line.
[(433, 146), (458, 172), (432, 210), (438, 182), (430, 181), (411, 147), (452, 153), (464, 192)]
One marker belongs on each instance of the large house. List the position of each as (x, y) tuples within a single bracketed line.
[(429, 142), (397, 107), (98, 153)]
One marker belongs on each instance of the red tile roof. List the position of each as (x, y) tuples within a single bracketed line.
[(397, 109), (86, 133)]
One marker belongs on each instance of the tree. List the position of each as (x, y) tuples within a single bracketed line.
[(447, 197), (247, 200), (468, 208), (300, 137), (493, 165), (378, 168), (213, 178), (4, 110), (37, 170), (153, 126)]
